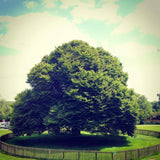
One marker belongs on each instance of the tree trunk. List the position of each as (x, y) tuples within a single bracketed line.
[(57, 130), (76, 131), (54, 130)]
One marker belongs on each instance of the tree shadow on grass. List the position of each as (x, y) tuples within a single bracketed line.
[(83, 142)]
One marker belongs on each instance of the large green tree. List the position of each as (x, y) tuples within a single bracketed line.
[(85, 89)]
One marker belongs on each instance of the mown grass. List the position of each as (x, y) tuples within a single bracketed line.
[(95, 143), (149, 127), (86, 142), (152, 128), (155, 156), (4, 156), (83, 142), (4, 131), (140, 141)]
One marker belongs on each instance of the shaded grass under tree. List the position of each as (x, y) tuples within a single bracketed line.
[(85, 142), (4, 156)]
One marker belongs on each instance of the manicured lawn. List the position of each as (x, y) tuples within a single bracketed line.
[(140, 141), (4, 156), (149, 127), (153, 157), (86, 142), (4, 131), (152, 128)]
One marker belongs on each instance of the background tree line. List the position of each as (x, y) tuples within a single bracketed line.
[(5, 110), (147, 110)]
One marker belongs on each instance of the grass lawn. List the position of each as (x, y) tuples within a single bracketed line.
[(152, 128), (149, 127), (86, 142), (153, 157), (4, 156), (4, 131)]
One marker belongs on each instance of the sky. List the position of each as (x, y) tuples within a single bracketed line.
[(129, 30)]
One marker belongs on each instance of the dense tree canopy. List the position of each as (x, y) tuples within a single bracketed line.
[(77, 87), (5, 110), (156, 110), (29, 111), (156, 106), (145, 108)]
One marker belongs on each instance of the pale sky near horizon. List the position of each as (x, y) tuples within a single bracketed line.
[(129, 30)]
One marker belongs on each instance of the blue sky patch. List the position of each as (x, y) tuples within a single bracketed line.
[(127, 6), (4, 51)]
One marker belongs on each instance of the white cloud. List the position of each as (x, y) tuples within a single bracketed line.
[(49, 3), (86, 10), (129, 49), (143, 67), (33, 35), (70, 3), (35, 30), (30, 4), (13, 76), (144, 79), (145, 18)]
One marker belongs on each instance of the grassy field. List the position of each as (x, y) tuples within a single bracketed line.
[(152, 128), (154, 157), (149, 127), (89, 142), (86, 142), (4, 156), (2, 132)]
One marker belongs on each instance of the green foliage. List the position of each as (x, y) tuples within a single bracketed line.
[(155, 115), (156, 106), (5, 110), (84, 88), (29, 110), (144, 109)]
